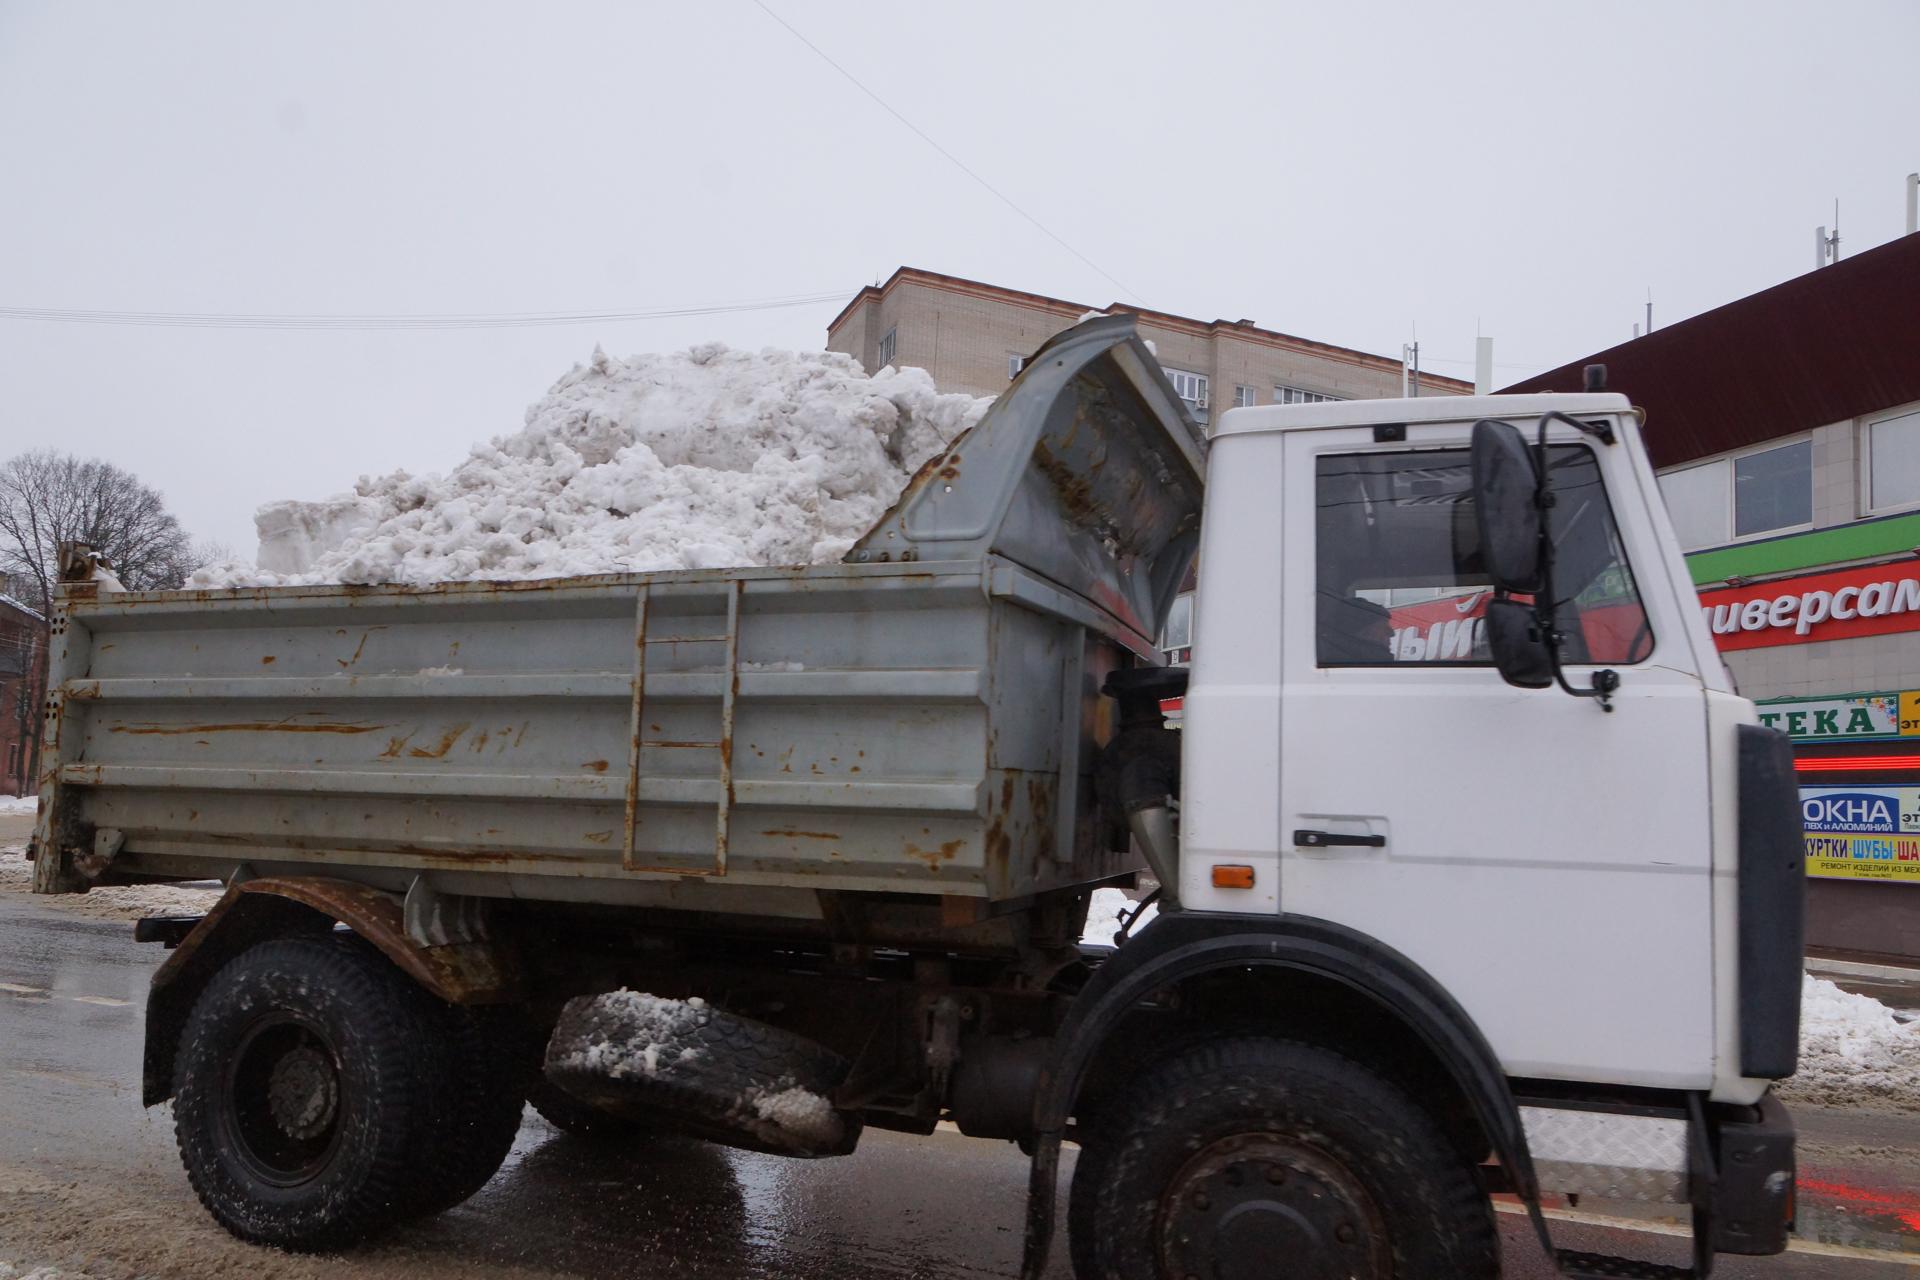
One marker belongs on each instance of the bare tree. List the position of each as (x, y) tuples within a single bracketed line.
[(47, 498)]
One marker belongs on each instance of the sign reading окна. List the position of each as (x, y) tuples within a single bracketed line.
[(1820, 606)]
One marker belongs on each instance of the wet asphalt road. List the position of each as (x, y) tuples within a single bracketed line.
[(89, 1180)]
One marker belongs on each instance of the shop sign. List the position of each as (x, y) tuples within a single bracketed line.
[(1818, 606), (1862, 832), (1856, 717)]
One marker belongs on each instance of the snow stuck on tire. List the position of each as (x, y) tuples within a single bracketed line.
[(703, 459)]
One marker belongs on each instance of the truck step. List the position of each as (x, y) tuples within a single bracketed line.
[(1601, 1266)]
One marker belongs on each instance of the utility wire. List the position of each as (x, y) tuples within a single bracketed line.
[(374, 320), (956, 161)]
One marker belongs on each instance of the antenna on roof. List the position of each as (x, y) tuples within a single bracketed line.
[(1826, 248), (1913, 203)]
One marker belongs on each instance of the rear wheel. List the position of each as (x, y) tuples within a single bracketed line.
[(490, 1063), (302, 1082), (1237, 1155)]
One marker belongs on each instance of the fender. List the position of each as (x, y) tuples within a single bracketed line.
[(1181, 945), (256, 911)]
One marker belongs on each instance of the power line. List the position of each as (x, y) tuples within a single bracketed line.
[(379, 321), (953, 159)]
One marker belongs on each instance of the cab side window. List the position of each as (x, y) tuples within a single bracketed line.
[(1399, 572)]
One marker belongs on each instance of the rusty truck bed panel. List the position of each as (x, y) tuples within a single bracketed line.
[(920, 720)]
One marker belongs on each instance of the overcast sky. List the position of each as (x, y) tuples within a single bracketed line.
[(1340, 171)]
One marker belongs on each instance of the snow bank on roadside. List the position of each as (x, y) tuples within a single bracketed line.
[(701, 459), (1103, 917), (121, 902), (1853, 1051), (18, 804)]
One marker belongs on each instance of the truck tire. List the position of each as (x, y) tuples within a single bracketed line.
[(304, 1078), (1242, 1151), (701, 1071), (490, 1065), (581, 1120)]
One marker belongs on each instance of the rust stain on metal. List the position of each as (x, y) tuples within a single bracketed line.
[(394, 747), (267, 661), (359, 648), (479, 742), (810, 835), (245, 726), (439, 752), (934, 857), (598, 766), (600, 837)]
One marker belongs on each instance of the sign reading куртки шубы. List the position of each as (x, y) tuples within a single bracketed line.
[(1817, 606), (1862, 832), (1852, 717)]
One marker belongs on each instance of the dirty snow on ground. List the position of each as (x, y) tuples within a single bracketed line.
[(1853, 1051), (706, 458), (1103, 917), (19, 804), (121, 902), (11, 1271)]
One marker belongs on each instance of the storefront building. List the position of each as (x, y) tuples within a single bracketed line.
[(1785, 429)]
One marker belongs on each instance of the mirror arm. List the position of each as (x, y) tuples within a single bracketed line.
[(1601, 431), (1604, 681)]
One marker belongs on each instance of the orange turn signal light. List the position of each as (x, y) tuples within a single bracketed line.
[(1228, 876)]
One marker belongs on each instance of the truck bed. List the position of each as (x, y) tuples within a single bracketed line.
[(736, 740)]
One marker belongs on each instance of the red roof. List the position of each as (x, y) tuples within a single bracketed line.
[(1823, 347)]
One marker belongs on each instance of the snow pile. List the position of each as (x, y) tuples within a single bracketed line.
[(1853, 1050), (706, 458), (19, 804), (1103, 917)]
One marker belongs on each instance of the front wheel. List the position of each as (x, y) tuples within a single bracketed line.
[(1253, 1156)]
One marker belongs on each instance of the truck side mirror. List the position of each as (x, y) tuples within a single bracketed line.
[(1514, 642), (1506, 506)]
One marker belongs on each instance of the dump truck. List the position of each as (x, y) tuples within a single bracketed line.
[(769, 856)]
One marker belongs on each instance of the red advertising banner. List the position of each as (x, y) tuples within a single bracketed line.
[(1816, 606)]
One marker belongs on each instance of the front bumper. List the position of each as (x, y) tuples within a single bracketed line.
[(1752, 1206)]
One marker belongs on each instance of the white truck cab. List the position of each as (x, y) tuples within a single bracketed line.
[(1576, 865)]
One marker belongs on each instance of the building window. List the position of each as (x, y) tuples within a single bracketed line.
[(1750, 495), (1773, 489), (1893, 461), (1178, 633), (1191, 387), (1299, 395), (887, 345), (1242, 397), (1014, 365)]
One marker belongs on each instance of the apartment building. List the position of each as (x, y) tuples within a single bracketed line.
[(1785, 430), (974, 337)]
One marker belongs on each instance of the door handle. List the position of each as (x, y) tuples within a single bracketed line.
[(1331, 839)]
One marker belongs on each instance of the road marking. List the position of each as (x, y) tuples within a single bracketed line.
[(106, 1000), (1580, 1217), (19, 990)]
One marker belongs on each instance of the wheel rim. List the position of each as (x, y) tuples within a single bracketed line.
[(1264, 1205), (281, 1108)]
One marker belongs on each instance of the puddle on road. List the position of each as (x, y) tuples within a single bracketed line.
[(1849, 1212)]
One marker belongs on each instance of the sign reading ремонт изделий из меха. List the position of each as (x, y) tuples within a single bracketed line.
[(1862, 832), (1848, 717)]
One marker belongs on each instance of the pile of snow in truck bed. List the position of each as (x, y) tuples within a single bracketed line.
[(706, 458)]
